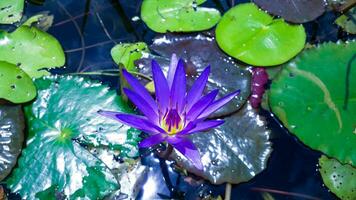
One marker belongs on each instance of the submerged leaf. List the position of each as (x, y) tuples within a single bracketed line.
[(296, 11), (11, 11), (12, 126), (32, 50), (247, 33), (340, 179), (199, 51), (233, 152), (178, 15), (314, 96), (347, 21), (15, 85), (126, 53)]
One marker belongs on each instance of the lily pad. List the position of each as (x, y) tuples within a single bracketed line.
[(340, 179), (178, 15), (247, 33), (11, 11), (32, 50), (234, 152), (347, 21), (12, 126), (127, 53), (15, 85), (71, 104), (314, 96), (199, 51), (296, 11)]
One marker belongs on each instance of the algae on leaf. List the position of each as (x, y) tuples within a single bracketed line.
[(314, 97), (340, 179), (347, 21), (15, 85), (178, 15), (249, 34), (32, 50), (11, 11)]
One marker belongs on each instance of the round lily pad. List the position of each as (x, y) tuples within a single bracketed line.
[(340, 179), (12, 127), (11, 11), (178, 15), (127, 53), (32, 50), (314, 96), (199, 51), (15, 85), (249, 34), (234, 152), (296, 11)]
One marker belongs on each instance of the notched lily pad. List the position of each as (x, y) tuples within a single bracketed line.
[(126, 53), (297, 11), (71, 104), (12, 127), (340, 179), (199, 51), (178, 15), (32, 50), (11, 11), (15, 85), (314, 97), (249, 34), (233, 152)]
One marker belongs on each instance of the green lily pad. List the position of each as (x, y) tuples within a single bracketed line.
[(127, 53), (249, 34), (11, 11), (347, 21), (12, 127), (234, 152), (314, 96), (15, 85), (340, 179), (71, 103), (178, 15), (32, 50)]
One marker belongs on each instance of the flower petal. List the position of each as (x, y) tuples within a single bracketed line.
[(161, 87), (142, 105), (140, 89), (218, 104), (197, 89), (172, 70), (152, 140), (201, 105), (178, 88), (134, 121), (188, 149), (203, 126)]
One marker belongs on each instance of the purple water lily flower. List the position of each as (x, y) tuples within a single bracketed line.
[(174, 114)]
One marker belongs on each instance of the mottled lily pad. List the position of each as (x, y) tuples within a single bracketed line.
[(247, 33), (12, 126), (126, 53), (297, 11), (233, 152), (199, 51), (15, 85), (11, 11), (347, 21), (178, 15), (340, 179), (314, 97), (71, 104), (32, 50)]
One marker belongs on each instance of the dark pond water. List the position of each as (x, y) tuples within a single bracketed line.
[(88, 29)]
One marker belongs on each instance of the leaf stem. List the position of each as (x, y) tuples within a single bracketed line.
[(228, 191)]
